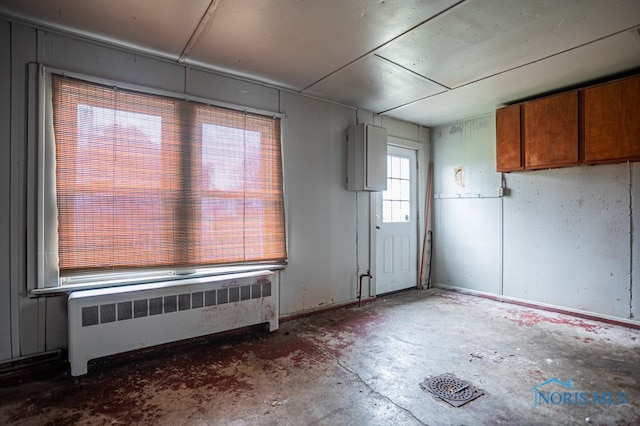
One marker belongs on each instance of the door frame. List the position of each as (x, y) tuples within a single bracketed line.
[(420, 205)]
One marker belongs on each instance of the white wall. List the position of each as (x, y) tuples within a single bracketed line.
[(321, 214), (560, 237), (567, 238), (323, 227), (467, 229)]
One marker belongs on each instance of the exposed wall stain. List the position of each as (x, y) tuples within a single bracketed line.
[(458, 174)]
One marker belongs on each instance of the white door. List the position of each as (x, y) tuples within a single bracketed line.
[(396, 224)]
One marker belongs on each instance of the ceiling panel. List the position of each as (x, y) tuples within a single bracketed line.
[(606, 57), (163, 26), (374, 84), (293, 44), (481, 38)]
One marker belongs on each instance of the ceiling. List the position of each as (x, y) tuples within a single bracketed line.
[(427, 62)]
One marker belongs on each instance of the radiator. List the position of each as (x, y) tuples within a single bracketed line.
[(110, 321)]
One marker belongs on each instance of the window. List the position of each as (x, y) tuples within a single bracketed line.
[(396, 200), (151, 183)]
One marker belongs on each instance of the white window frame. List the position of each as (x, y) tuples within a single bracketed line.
[(48, 278)]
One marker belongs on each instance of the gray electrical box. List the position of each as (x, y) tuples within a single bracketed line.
[(366, 158)]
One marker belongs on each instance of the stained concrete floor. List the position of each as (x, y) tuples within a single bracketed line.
[(361, 366)]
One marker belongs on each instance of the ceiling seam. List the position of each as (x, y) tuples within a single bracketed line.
[(384, 44), (200, 28), (510, 69), (413, 102), (411, 71)]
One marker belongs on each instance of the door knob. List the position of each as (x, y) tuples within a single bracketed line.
[(378, 227)]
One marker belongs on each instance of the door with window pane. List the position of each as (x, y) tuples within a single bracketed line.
[(396, 266)]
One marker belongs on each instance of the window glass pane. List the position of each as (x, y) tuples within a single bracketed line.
[(386, 194), (390, 189), (404, 214), (397, 197), (395, 167), (386, 211), (404, 169), (394, 211), (405, 190)]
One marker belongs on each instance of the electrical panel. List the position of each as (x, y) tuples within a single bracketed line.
[(366, 158)]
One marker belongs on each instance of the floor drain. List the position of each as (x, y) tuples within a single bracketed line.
[(451, 389)]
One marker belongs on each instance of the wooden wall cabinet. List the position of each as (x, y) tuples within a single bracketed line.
[(508, 139), (550, 131), (597, 124), (611, 121), (538, 134)]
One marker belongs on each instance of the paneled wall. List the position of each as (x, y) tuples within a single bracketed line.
[(5, 192), (568, 238), (466, 207), (561, 237), (328, 226), (321, 215)]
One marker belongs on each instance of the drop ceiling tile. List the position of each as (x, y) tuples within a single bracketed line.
[(293, 44), (374, 84), (478, 39), (161, 26), (606, 57)]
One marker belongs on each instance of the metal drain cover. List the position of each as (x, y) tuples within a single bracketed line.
[(451, 389)]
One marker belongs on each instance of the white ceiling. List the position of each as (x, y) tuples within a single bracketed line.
[(428, 62)]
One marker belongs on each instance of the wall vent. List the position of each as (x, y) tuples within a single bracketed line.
[(140, 308)]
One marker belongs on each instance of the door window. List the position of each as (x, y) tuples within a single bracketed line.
[(396, 200)]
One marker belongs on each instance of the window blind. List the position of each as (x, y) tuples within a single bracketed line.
[(146, 181)]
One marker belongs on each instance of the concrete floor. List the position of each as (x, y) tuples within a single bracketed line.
[(361, 366)]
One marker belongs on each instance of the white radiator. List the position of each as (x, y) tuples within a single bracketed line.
[(110, 321)]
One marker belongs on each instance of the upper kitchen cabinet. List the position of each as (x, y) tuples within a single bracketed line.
[(550, 131), (612, 121), (596, 124), (508, 139)]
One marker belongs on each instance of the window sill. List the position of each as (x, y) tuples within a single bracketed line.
[(217, 274)]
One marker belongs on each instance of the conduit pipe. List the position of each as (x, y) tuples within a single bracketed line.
[(368, 274)]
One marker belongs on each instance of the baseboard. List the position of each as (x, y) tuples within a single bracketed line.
[(28, 368), (543, 306), (323, 309)]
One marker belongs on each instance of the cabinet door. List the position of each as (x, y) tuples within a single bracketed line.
[(603, 132), (551, 131), (508, 141), (611, 121), (631, 116)]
